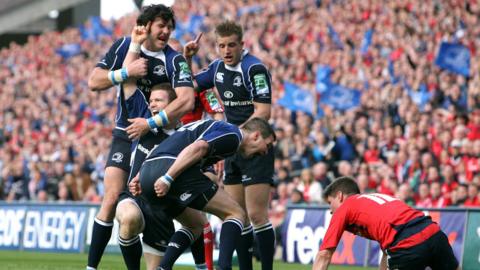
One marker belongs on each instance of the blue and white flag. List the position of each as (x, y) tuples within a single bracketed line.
[(297, 99), (340, 97), (420, 97), (69, 50), (323, 78), (95, 30), (454, 57), (366, 41), (193, 25), (335, 37)]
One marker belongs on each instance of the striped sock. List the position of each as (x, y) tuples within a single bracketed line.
[(266, 244), (131, 251), (102, 231), (229, 236), (179, 242)]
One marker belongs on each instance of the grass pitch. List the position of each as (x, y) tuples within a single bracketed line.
[(23, 260)]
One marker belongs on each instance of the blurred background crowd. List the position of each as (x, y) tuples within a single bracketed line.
[(414, 132)]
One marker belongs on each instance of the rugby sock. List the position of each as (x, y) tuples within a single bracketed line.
[(131, 251), (100, 236), (198, 252), (208, 244), (266, 244), (179, 242), (245, 249), (229, 237)]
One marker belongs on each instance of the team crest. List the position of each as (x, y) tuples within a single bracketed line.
[(117, 157), (237, 81), (159, 70)]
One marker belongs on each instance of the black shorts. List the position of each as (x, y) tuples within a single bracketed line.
[(120, 151), (159, 226), (435, 252), (191, 189), (256, 170)]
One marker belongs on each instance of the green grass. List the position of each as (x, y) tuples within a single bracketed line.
[(22, 260)]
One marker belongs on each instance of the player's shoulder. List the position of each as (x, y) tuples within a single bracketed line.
[(170, 53), (251, 63), (122, 42)]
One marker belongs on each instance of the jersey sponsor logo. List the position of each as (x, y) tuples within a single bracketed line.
[(117, 157), (185, 196), (142, 149), (173, 244), (228, 94), (245, 178), (185, 73), (219, 77), (159, 70), (237, 81), (260, 81), (229, 103)]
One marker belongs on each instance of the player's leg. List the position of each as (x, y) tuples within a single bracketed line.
[(192, 227), (257, 199), (441, 253), (207, 229), (245, 245), (234, 187), (258, 180), (233, 216), (131, 221), (116, 173)]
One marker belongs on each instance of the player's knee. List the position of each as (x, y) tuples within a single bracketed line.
[(238, 213), (130, 220), (258, 216)]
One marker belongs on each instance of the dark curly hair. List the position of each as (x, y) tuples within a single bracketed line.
[(149, 13)]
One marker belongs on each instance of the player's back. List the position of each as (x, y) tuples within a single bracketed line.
[(378, 216)]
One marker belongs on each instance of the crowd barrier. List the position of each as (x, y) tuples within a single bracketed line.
[(60, 227), (304, 228)]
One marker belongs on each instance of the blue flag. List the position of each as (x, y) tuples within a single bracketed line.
[(69, 50), (366, 41), (335, 37), (420, 97), (340, 97), (193, 25), (95, 30), (454, 57), (297, 99), (323, 78)]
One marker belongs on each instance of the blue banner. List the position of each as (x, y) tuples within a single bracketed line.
[(303, 231), (94, 29), (322, 80), (340, 97), (366, 41), (454, 57), (192, 26), (43, 228), (297, 99), (69, 50)]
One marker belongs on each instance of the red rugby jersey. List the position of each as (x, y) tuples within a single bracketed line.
[(375, 216)]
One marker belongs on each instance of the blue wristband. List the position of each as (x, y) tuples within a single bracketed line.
[(124, 73), (164, 118), (168, 178), (112, 77), (151, 123)]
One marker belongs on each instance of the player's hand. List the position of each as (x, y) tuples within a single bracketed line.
[(161, 187), (134, 186), (138, 68), (191, 48), (137, 128), (219, 168), (140, 33)]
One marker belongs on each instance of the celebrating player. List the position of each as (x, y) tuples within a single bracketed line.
[(152, 61), (408, 238)]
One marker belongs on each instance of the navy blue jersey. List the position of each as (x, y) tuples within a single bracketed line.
[(223, 141), (163, 66), (249, 81)]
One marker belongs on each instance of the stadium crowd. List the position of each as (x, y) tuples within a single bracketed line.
[(55, 133)]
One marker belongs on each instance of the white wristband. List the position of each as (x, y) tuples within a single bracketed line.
[(165, 181), (134, 47)]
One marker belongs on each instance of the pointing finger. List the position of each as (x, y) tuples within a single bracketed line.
[(199, 36)]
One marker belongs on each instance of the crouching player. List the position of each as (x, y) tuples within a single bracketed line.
[(409, 239)]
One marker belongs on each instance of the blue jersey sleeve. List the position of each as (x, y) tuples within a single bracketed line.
[(260, 83), (113, 59), (223, 140), (206, 78)]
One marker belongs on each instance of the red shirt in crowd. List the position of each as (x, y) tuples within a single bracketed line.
[(374, 216)]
